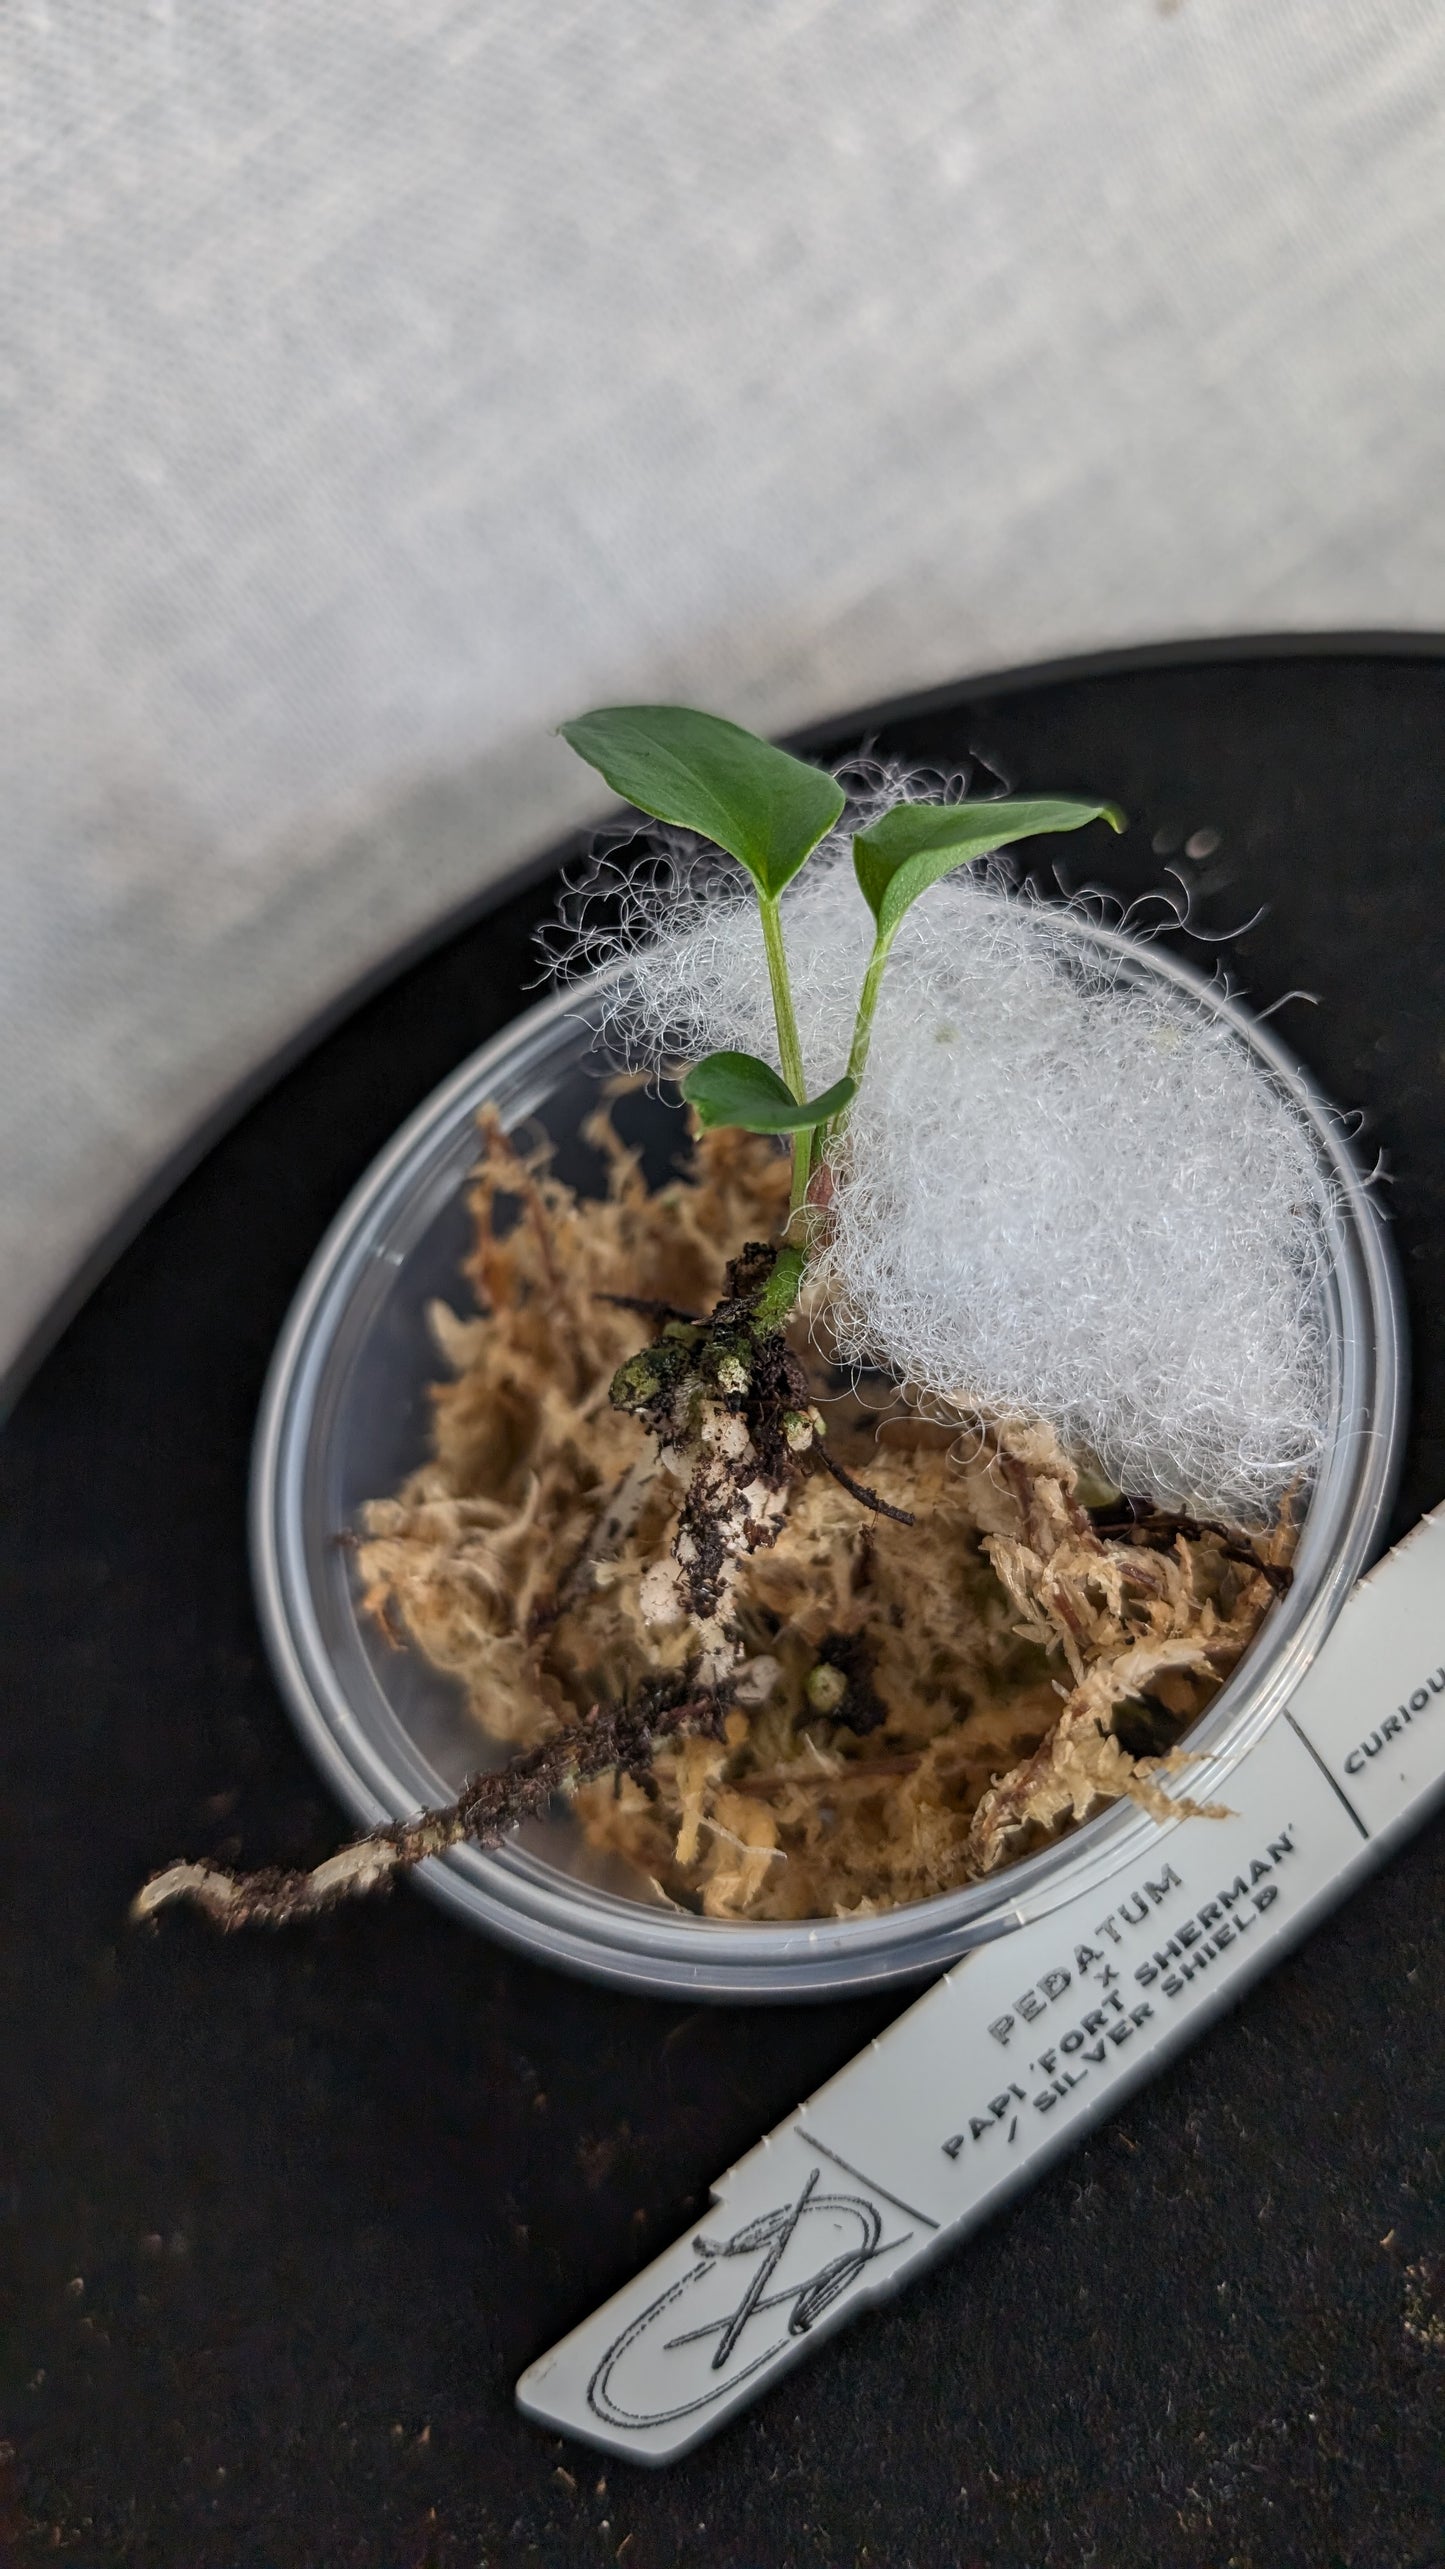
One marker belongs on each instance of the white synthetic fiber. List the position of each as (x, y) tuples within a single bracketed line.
[(1064, 1190)]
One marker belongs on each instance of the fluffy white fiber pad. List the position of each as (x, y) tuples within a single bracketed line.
[(1065, 1190)]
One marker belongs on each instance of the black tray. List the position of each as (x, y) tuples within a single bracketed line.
[(284, 2217)]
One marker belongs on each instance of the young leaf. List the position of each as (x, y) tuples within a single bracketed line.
[(737, 1088), (767, 809), (915, 843)]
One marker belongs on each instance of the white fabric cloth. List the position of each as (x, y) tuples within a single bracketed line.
[(384, 383)]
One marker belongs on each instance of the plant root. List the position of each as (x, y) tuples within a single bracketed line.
[(1157, 1529), (730, 1408), (620, 1739), (860, 1491)]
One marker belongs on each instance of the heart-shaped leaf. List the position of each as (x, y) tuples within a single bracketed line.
[(737, 1088), (767, 809), (915, 843)]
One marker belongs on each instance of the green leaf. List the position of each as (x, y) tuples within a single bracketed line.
[(737, 1088), (915, 843), (767, 809)]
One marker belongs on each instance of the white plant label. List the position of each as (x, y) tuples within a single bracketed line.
[(1024, 2045)]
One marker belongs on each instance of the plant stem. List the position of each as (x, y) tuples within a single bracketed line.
[(781, 1290), (826, 1135), (867, 1004), (790, 1050), (802, 1173)]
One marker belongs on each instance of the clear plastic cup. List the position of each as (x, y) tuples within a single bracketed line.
[(345, 1418)]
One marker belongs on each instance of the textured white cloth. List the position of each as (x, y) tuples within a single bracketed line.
[(383, 383)]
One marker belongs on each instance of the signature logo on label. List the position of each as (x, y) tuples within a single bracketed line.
[(737, 2307)]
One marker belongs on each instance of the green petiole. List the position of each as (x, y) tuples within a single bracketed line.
[(790, 1050)]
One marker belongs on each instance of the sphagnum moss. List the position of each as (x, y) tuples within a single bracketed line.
[(914, 1691)]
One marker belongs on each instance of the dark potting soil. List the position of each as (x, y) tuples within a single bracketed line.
[(283, 2217)]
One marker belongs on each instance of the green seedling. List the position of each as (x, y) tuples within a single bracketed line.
[(770, 811)]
